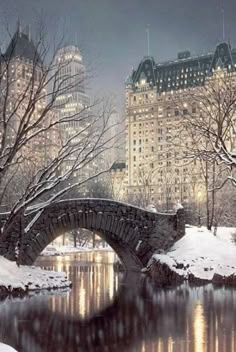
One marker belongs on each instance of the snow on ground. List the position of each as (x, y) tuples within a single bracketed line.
[(6, 348), (29, 278), (62, 250), (226, 233), (54, 250), (202, 254)]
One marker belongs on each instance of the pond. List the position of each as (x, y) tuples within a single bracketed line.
[(109, 312)]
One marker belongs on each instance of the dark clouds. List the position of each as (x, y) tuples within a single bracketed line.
[(112, 32)]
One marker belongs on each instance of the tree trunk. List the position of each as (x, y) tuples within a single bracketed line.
[(213, 196), (207, 198), (75, 238), (93, 234)]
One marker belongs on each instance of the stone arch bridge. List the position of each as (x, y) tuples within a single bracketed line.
[(134, 233)]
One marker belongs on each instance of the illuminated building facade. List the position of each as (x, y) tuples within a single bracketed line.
[(73, 102), (158, 96)]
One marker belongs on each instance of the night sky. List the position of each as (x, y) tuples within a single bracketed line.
[(112, 33)]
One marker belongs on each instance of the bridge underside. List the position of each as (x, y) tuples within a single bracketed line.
[(126, 254)]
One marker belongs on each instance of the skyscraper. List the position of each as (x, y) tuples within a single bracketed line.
[(73, 101)]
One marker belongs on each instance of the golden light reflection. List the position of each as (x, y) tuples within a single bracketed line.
[(216, 338), (233, 341), (160, 345), (199, 328), (170, 344), (143, 348), (82, 302), (59, 263), (94, 283)]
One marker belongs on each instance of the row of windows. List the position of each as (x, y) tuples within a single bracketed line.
[(181, 78), (143, 96), (144, 124), (140, 149), (143, 132), (140, 141), (168, 113)]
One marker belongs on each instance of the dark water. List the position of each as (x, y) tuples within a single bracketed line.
[(107, 312)]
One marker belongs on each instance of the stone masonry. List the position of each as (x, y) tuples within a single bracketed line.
[(134, 233)]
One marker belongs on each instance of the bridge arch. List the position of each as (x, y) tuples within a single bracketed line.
[(132, 232)]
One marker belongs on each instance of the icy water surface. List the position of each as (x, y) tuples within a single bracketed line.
[(107, 312)]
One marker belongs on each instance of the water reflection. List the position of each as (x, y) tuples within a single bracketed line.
[(106, 313), (94, 286), (199, 328)]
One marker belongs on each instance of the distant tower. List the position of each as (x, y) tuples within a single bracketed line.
[(223, 24), (69, 62), (148, 39), (71, 78)]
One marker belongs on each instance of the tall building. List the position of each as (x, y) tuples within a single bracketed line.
[(73, 101), (158, 96), (23, 99), (27, 144), (71, 75)]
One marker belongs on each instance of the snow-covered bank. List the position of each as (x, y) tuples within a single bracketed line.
[(24, 278), (198, 257)]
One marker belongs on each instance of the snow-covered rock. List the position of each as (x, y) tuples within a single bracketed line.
[(6, 348), (25, 278), (178, 206), (201, 256), (151, 208)]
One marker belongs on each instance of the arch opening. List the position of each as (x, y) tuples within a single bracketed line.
[(42, 239)]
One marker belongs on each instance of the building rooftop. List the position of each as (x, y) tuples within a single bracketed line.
[(184, 72), (118, 165), (22, 46)]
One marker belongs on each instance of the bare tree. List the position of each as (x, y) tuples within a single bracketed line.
[(145, 182), (224, 214), (206, 135), (148, 190), (31, 84), (212, 124)]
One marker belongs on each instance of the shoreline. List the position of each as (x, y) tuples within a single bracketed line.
[(199, 258), (22, 279), (162, 275), (36, 280), (9, 293)]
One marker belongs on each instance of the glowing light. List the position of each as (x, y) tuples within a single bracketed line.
[(170, 344), (82, 302), (199, 328)]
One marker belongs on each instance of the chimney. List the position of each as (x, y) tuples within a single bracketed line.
[(28, 32), (19, 29)]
